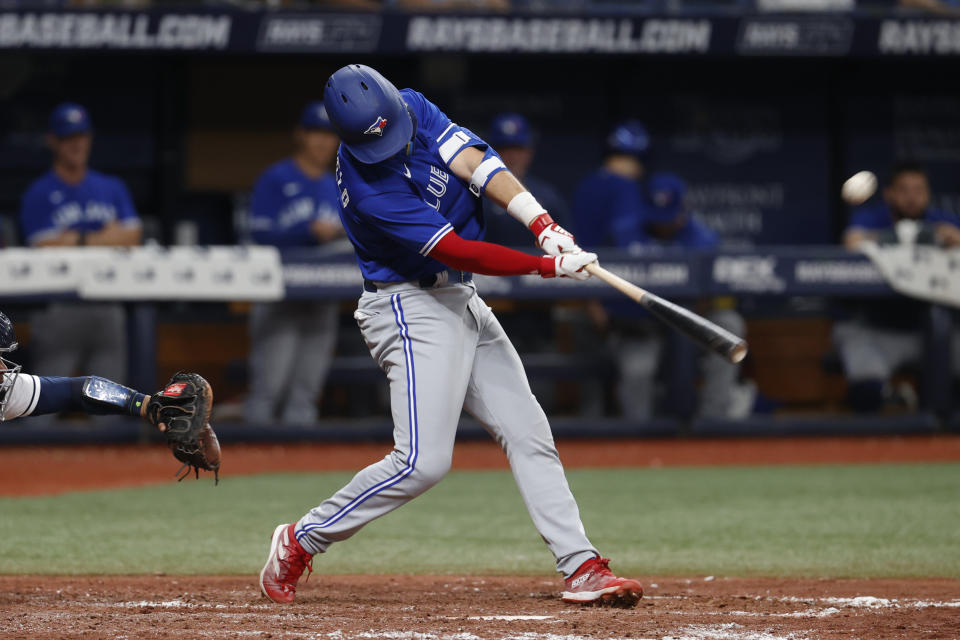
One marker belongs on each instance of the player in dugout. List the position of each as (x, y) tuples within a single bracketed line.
[(609, 191), (881, 336), (661, 220), (410, 182), (513, 138), (72, 205), (295, 204)]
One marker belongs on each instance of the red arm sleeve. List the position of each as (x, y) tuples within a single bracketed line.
[(489, 259)]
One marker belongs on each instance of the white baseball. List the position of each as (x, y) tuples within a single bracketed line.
[(859, 187)]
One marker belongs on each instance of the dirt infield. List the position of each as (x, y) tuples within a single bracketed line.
[(51, 470), (489, 608)]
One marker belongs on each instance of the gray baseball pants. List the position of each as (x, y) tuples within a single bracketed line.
[(292, 345), (869, 352), (443, 350), (80, 338)]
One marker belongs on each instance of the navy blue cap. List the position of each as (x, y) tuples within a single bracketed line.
[(663, 195), (69, 119), (368, 113), (510, 130), (315, 116), (630, 137)]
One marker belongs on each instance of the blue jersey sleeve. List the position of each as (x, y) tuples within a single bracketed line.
[(449, 137), (405, 219), (943, 216), (873, 218), (36, 216), (126, 212)]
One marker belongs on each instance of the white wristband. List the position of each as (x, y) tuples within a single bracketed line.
[(525, 208)]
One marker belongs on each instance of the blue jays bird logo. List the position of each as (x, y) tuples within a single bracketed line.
[(377, 127)]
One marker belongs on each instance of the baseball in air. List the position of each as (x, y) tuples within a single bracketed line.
[(859, 187)]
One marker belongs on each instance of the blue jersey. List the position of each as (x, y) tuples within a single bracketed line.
[(286, 202), (50, 206), (604, 201), (879, 217), (396, 211)]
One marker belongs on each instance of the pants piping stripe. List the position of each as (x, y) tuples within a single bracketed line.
[(412, 419)]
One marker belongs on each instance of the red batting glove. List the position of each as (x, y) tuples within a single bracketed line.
[(569, 265), (551, 237)]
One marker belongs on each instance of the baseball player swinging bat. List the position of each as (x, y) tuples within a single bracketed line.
[(708, 334), (410, 182)]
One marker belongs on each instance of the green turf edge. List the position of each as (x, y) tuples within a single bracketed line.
[(791, 521)]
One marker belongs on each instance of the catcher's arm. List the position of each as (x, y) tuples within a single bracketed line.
[(90, 394)]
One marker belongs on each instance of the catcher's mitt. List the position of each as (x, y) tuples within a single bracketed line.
[(183, 408)]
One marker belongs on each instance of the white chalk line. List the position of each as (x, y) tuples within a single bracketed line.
[(725, 631)]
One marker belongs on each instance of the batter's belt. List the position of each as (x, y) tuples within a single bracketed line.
[(426, 282)]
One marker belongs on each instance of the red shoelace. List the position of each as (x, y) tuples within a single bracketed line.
[(296, 562), (601, 566)]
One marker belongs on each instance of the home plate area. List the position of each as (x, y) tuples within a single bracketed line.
[(473, 608)]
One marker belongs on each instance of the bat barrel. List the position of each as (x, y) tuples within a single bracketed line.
[(709, 334)]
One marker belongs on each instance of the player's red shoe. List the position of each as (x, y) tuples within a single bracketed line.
[(594, 583), (285, 565)]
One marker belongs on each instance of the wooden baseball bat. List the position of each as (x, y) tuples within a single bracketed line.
[(708, 334)]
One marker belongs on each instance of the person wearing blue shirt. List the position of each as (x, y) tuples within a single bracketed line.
[(636, 340), (295, 203), (613, 191), (410, 184), (74, 205), (513, 138), (885, 335)]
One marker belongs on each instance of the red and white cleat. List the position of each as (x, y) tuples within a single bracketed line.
[(285, 565), (594, 583)]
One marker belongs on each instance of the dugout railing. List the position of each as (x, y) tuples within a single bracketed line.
[(766, 275)]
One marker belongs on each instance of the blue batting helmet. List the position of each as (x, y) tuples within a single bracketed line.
[(367, 112), (629, 137), (510, 130), (314, 117)]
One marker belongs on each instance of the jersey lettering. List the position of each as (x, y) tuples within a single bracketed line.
[(438, 184), (344, 196)]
